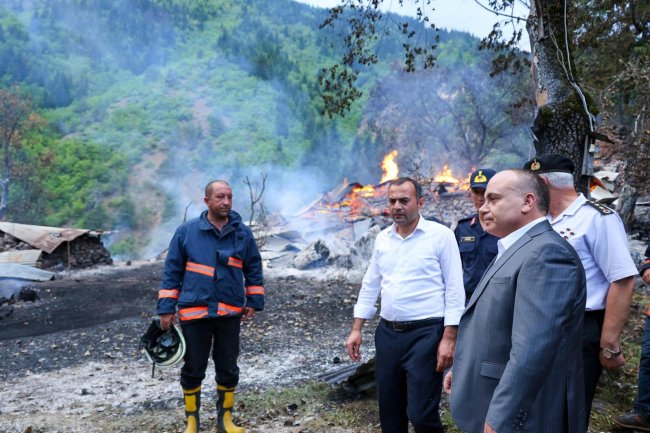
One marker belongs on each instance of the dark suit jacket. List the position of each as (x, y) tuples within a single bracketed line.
[(518, 362)]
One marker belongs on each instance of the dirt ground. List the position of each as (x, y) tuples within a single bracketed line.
[(69, 362)]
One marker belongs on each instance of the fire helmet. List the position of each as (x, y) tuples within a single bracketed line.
[(163, 348)]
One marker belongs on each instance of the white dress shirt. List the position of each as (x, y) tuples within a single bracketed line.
[(601, 242), (419, 276), (507, 241)]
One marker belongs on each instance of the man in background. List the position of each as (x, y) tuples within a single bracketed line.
[(477, 247), (639, 417), (598, 236)]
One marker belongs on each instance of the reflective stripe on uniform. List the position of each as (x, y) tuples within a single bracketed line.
[(200, 269), (233, 261), (168, 293), (225, 309), (192, 313), (254, 290)]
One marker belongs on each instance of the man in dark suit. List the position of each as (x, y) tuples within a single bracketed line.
[(518, 364)]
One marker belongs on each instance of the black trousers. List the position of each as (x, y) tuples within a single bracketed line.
[(408, 387), (593, 326), (222, 336)]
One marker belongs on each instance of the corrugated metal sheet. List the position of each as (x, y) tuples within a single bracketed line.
[(359, 376), (23, 257), (16, 271), (42, 237)]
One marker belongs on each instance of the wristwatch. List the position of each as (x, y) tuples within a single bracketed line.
[(609, 353)]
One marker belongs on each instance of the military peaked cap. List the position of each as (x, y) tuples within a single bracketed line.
[(549, 162), (481, 177)]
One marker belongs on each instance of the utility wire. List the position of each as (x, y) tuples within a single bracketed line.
[(569, 72)]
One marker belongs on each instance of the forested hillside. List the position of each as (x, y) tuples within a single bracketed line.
[(116, 113)]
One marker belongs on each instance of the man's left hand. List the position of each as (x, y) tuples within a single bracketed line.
[(488, 429), (612, 363), (446, 348), (248, 313)]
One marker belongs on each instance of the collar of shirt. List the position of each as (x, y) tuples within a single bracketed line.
[(506, 242), (572, 209), (422, 226)]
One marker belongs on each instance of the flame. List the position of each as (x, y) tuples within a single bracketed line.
[(390, 167), (366, 191), (464, 184), (446, 175)]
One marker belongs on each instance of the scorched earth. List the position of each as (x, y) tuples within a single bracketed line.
[(69, 362)]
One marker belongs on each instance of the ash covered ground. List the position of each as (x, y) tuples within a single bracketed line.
[(69, 362)]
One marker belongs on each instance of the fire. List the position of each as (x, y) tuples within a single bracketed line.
[(366, 191), (464, 184), (452, 183), (446, 175), (391, 170)]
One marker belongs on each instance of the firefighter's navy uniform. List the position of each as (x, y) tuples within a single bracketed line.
[(210, 276)]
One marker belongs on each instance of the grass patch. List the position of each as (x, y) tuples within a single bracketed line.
[(315, 407)]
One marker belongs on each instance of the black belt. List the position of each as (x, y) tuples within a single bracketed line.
[(595, 313), (411, 324)]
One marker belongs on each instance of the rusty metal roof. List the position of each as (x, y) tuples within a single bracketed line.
[(41, 237)]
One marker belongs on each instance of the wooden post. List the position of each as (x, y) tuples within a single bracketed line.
[(68, 242)]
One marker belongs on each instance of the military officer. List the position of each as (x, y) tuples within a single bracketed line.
[(598, 236), (477, 247)]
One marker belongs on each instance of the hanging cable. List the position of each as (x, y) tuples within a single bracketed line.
[(581, 95)]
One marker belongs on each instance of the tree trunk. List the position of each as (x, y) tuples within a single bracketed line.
[(4, 191), (561, 124), (626, 204)]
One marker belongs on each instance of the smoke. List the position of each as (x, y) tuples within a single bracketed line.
[(187, 107)]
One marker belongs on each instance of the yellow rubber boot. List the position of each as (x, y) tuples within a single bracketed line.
[(225, 402), (192, 399)]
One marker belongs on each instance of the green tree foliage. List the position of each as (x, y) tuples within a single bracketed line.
[(77, 179), (160, 92), (57, 181), (15, 113)]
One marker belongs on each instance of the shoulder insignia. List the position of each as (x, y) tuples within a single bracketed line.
[(601, 208)]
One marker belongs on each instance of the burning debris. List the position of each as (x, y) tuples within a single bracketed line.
[(339, 227)]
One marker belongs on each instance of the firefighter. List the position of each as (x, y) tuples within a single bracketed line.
[(212, 280)]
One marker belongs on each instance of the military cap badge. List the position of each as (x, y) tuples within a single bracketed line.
[(480, 177)]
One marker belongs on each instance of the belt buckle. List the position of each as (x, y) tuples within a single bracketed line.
[(400, 326)]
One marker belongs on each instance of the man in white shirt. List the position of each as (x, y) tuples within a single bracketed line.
[(598, 236), (417, 269), (518, 366)]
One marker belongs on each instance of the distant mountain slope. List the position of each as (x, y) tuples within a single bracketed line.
[(181, 92)]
